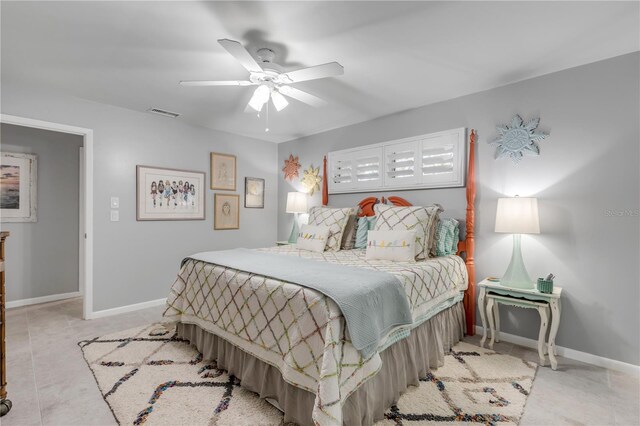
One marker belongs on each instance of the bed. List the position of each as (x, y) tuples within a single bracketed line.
[(291, 345)]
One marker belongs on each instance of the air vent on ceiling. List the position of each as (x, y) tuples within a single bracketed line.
[(163, 112)]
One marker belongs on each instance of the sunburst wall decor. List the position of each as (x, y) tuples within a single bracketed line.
[(518, 139), (311, 179), (291, 166)]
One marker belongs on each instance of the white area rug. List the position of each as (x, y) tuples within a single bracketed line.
[(151, 377)]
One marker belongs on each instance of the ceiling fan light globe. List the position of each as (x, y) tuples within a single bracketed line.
[(259, 98), (279, 101)]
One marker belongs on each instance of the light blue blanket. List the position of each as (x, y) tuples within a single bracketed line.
[(372, 302)]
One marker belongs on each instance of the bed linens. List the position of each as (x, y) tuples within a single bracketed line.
[(299, 330), (373, 302)]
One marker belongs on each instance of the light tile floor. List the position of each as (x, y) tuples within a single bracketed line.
[(50, 384)]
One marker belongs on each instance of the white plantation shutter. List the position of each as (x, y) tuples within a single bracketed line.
[(436, 160), (401, 164), (440, 159), (368, 168), (342, 173)]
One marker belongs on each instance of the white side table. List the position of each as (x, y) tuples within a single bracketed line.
[(492, 294)]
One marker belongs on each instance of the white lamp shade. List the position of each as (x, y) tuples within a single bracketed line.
[(517, 215), (296, 202)]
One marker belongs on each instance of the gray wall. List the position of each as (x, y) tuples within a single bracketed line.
[(137, 261), (588, 168), (43, 256)]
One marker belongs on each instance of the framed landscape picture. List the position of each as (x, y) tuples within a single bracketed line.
[(223, 171), (18, 187), (253, 193), (169, 194), (226, 211)]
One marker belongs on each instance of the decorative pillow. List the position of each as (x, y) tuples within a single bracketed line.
[(392, 245), (334, 219), (361, 232), (447, 236), (349, 235), (420, 219), (365, 224), (313, 238)]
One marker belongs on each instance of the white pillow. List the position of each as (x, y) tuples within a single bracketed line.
[(335, 219), (392, 245), (313, 238)]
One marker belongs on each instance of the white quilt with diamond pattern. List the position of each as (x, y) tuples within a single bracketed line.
[(299, 330)]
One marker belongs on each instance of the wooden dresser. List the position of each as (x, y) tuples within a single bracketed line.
[(5, 404)]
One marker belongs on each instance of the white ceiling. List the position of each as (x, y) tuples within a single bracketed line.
[(396, 55)]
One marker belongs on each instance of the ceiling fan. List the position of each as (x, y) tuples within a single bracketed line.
[(272, 82)]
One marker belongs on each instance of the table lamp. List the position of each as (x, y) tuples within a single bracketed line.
[(518, 215), (296, 203)]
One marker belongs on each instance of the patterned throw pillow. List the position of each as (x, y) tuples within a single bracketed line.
[(447, 237), (422, 219), (334, 219), (392, 245), (313, 238)]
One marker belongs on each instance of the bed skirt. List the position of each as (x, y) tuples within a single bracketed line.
[(403, 364)]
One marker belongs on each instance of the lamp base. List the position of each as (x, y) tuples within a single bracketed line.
[(293, 237), (516, 275)]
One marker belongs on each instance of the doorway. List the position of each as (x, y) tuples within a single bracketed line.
[(85, 228)]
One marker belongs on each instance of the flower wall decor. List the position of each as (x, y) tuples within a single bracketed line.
[(311, 179), (291, 166), (518, 138)]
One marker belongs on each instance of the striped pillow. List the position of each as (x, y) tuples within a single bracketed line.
[(422, 219), (334, 219), (447, 237)]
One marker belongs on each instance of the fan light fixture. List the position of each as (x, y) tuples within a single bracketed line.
[(262, 95)]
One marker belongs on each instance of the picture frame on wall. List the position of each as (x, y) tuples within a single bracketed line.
[(226, 211), (18, 187), (169, 194), (253, 193), (223, 171)]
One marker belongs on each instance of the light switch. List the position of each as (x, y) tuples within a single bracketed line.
[(115, 202), (115, 215)]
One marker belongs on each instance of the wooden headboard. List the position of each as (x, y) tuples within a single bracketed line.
[(466, 246)]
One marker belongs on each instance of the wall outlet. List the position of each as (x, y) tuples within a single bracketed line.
[(115, 202), (115, 216)]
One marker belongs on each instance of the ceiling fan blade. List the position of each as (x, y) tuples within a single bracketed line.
[(314, 73), (301, 96), (237, 50), (216, 83)]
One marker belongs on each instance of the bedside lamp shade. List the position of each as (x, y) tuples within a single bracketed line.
[(517, 216), (296, 202)]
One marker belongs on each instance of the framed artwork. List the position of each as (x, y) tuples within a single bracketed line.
[(226, 211), (253, 193), (18, 187), (169, 194), (223, 171)]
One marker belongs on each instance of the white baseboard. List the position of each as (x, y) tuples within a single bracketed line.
[(127, 308), (43, 299), (588, 358)]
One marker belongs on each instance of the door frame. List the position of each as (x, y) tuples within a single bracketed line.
[(86, 257)]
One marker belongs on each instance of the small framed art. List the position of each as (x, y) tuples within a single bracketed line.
[(253, 193), (223, 171), (18, 187), (169, 194), (226, 211)]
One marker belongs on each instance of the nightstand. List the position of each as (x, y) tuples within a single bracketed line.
[(492, 294), (283, 243)]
